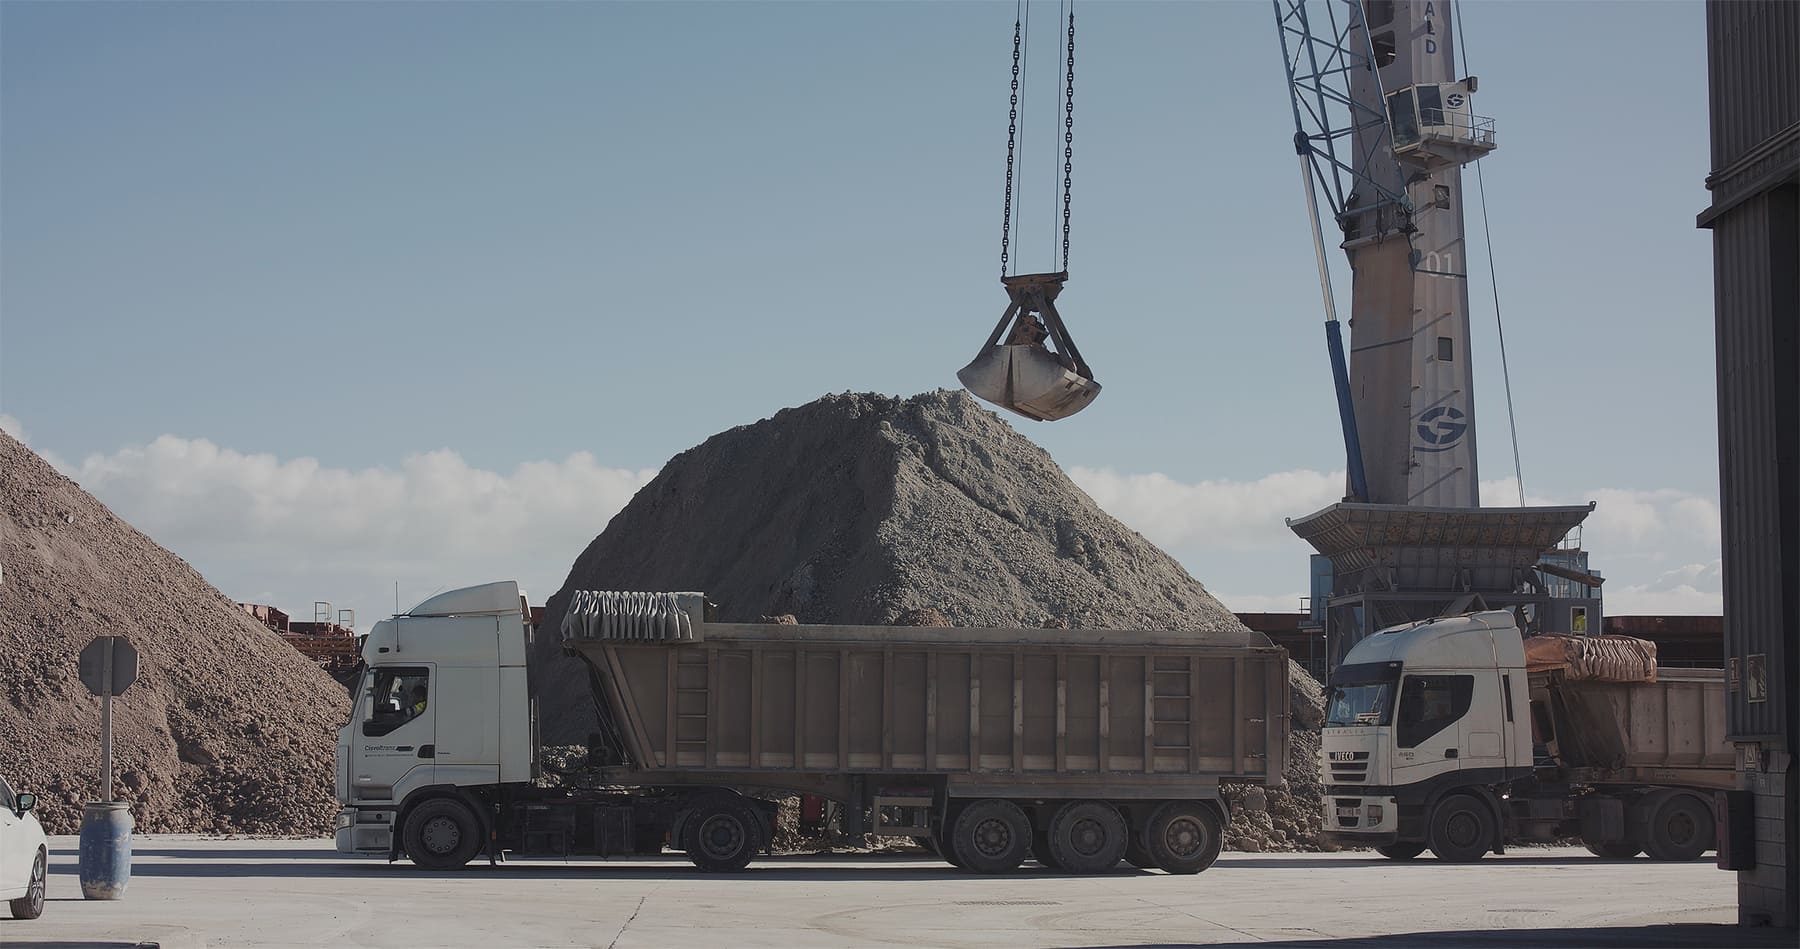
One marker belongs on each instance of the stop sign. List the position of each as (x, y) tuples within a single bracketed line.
[(108, 665)]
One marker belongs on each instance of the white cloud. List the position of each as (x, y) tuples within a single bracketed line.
[(292, 531), (1217, 515), (1694, 588), (289, 531)]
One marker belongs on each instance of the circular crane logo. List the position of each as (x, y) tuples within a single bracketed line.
[(1441, 427)]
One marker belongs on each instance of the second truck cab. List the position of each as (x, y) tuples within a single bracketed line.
[(1418, 713)]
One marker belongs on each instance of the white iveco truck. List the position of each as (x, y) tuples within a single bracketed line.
[(1079, 747), (1436, 736)]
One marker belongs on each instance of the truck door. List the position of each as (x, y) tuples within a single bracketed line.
[(1485, 728), (398, 734), (1427, 739)]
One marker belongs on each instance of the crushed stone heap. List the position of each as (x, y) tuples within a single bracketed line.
[(869, 509), (227, 729)]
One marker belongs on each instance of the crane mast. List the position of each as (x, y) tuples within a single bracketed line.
[(1383, 126)]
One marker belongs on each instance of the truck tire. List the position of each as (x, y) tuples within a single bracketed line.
[(1681, 829), (721, 835), (991, 836), (1040, 848), (442, 834), (1184, 837), (1087, 837), (1462, 830), (1401, 851), (1137, 854), (1611, 849)]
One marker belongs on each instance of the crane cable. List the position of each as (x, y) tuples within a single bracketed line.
[(1494, 282), (1015, 156), (1012, 131)]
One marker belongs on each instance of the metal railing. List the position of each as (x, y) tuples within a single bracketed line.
[(1458, 126)]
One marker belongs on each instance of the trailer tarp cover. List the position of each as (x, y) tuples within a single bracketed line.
[(652, 617), (1593, 658)]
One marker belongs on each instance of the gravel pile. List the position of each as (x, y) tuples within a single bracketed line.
[(227, 729), (869, 509)]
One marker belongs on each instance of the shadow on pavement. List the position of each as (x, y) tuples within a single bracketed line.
[(1669, 936)]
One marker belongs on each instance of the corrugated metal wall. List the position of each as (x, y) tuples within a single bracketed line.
[(1759, 488), (1755, 86)]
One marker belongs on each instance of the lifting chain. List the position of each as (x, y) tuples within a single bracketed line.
[(1068, 136), (1012, 130)]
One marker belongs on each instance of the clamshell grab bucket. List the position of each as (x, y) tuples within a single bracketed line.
[(1028, 380), (1023, 374)]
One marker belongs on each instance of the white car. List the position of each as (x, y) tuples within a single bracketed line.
[(24, 854)]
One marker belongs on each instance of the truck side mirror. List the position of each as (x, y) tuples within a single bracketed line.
[(25, 802)]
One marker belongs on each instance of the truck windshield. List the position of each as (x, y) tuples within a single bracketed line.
[(1361, 703), (1362, 693)]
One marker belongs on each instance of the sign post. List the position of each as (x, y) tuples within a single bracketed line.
[(108, 666)]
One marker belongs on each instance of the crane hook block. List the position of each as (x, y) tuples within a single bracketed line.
[(1018, 369)]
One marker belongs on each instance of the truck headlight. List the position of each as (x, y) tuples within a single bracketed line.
[(1374, 814)]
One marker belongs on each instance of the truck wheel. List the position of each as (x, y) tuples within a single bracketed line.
[(1184, 837), (1462, 830), (991, 836), (442, 834), (1087, 837), (1137, 854), (1681, 830), (1611, 849), (721, 835), (1401, 851), (1040, 848)]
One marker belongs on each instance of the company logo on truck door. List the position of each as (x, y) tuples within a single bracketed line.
[(1441, 427)]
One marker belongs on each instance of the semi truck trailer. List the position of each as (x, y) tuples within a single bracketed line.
[(1437, 736), (1080, 748)]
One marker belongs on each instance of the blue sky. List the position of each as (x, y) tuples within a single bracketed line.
[(329, 296)]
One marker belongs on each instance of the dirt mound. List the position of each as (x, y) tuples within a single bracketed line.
[(227, 729), (861, 509), (868, 509)]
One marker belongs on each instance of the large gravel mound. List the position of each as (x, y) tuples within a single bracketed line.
[(227, 730), (869, 509)]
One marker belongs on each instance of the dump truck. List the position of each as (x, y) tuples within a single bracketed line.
[(1441, 735), (1080, 748)]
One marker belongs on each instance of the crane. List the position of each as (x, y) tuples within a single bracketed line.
[(1389, 164), (1383, 127)]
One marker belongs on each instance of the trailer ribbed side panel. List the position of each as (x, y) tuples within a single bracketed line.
[(833, 700)]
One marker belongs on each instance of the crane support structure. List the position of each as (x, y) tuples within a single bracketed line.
[(1383, 127)]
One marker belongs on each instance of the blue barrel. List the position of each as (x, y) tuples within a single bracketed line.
[(105, 850)]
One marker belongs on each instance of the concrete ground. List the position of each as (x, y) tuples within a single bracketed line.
[(194, 891)]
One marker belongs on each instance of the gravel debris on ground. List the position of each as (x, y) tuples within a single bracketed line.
[(869, 509), (228, 729)]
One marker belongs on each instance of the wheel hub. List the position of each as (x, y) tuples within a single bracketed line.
[(1183, 837), (441, 835), (992, 837), (1463, 830), (1087, 837), (722, 836)]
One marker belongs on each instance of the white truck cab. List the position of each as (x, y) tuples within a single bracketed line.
[(404, 738), (1417, 713)]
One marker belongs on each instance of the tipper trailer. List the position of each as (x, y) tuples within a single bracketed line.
[(1078, 747), (1437, 736)]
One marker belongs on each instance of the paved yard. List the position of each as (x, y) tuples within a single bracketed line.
[(192, 891)]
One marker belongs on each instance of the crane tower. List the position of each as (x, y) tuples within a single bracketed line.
[(1383, 126)]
